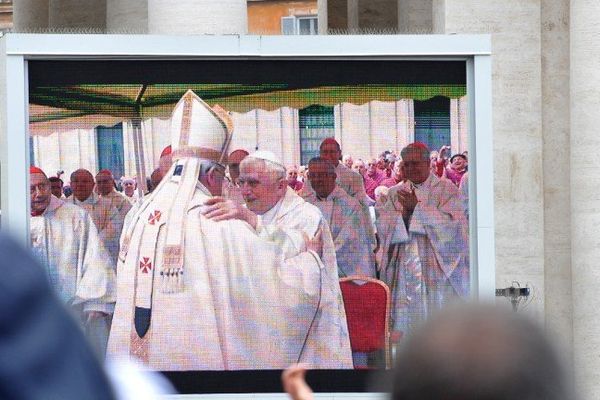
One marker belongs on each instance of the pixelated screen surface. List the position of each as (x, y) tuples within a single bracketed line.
[(235, 215)]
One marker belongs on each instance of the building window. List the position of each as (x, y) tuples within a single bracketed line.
[(432, 122), (111, 154), (300, 25), (316, 124)]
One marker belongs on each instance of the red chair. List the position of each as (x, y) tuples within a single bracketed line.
[(368, 312)]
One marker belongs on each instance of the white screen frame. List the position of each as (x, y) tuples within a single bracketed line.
[(17, 49)]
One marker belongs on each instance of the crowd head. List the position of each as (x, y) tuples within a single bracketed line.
[(479, 352), (415, 159), (39, 190), (56, 186), (82, 184), (330, 150), (321, 174), (105, 183)]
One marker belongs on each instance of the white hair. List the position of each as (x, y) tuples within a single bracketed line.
[(277, 171)]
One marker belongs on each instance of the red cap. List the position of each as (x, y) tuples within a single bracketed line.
[(35, 170), (236, 156), (166, 151), (330, 140), (105, 172), (418, 145)]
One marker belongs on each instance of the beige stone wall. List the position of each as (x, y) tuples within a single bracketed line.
[(585, 195), (129, 16), (378, 14), (30, 15), (78, 14), (415, 16), (555, 127), (517, 129), (188, 17)]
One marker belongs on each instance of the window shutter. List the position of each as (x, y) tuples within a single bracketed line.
[(288, 25)]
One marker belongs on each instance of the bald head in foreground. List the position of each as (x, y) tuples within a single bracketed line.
[(471, 352)]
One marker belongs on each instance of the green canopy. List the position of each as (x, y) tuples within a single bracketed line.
[(93, 105)]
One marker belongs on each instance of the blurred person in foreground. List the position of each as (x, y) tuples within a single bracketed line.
[(43, 354), (469, 352)]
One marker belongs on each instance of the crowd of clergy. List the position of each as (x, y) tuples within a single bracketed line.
[(229, 250)]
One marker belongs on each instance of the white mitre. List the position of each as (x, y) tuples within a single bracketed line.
[(267, 156), (199, 131)]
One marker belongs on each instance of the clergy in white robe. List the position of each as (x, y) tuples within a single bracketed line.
[(352, 182), (281, 211), (199, 294), (65, 240), (279, 215), (105, 186), (105, 216), (425, 242), (343, 214)]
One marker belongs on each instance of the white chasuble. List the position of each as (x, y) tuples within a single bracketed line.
[(292, 221), (427, 264), (235, 303), (66, 241), (350, 237)]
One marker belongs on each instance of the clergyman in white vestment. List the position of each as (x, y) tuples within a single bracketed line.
[(425, 242), (65, 240), (343, 214), (279, 215)]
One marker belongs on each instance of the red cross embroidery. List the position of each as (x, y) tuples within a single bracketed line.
[(145, 265), (154, 217)]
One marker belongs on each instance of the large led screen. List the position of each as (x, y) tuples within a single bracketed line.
[(244, 215)]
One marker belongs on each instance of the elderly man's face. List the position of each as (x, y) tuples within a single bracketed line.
[(322, 179), (82, 184), (331, 152), (415, 167), (260, 189), (128, 188), (360, 167), (348, 162), (104, 184), (56, 188), (372, 167), (292, 175), (39, 191)]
